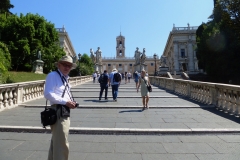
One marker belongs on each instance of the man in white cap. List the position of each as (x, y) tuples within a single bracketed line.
[(57, 91), (115, 80)]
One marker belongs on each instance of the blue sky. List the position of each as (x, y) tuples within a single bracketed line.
[(97, 23)]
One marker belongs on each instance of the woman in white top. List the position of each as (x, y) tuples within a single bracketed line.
[(144, 81)]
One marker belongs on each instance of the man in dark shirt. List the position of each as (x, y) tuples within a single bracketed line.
[(104, 83)]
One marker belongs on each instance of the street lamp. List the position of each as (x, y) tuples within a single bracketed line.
[(79, 58), (155, 58)]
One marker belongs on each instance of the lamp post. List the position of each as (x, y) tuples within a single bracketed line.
[(155, 58), (79, 58)]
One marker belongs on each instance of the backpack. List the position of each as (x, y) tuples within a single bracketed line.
[(116, 77), (101, 78)]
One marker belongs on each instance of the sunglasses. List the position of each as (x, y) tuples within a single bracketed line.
[(66, 65)]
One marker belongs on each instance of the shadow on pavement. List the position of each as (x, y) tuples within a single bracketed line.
[(139, 110), (97, 101), (223, 114)]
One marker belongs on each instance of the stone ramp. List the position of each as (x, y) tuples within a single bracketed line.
[(173, 128), (168, 114), (127, 121)]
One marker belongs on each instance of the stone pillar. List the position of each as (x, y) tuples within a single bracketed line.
[(175, 52), (190, 56)]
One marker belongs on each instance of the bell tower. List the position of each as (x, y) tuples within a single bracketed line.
[(120, 48)]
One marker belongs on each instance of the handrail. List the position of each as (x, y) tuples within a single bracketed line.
[(224, 96), (11, 95)]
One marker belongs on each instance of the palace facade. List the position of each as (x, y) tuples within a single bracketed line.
[(65, 42), (127, 64), (179, 53)]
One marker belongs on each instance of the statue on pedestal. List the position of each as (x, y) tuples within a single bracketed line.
[(137, 56), (38, 64), (39, 55), (143, 56), (98, 56), (92, 56)]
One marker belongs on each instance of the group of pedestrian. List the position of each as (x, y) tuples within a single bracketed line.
[(58, 91), (113, 79)]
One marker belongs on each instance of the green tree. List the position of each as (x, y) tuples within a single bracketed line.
[(5, 62), (218, 43), (5, 5), (86, 66), (25, 36)]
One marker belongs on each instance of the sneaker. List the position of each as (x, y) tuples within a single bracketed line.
[(106, 99), (115, 100), (99, 99)]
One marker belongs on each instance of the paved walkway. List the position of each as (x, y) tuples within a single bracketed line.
[(173, 128)]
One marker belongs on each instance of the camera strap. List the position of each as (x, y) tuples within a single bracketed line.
[(64, 80)]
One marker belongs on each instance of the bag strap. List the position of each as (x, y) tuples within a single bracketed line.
[(144, 80), (63, 79)]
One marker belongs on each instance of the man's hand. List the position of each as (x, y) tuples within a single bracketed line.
[(71, 104)]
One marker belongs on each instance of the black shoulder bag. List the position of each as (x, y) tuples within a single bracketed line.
[(48, 116), (149, 87)]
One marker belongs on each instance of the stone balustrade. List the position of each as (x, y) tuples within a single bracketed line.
[(223, 96), (14, 94)]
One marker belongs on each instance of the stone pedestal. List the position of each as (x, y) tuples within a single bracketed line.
[(38, 66), (98, 68), (163, 70), (139, 67)]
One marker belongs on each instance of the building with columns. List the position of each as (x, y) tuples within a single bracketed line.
[(179, 52), (126, 64), (65, 42)]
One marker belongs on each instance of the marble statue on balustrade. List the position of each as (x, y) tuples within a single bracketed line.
[(143, 57), (92, 56), (137, 56), (97, 59), (98, 56)]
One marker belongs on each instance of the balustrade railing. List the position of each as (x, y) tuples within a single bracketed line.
[(225, 97), (14, 94)]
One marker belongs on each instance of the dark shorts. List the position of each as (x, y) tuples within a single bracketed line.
[(129, 77)]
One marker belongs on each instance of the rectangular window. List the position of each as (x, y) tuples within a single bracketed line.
[(120, 65), (183, 53), (109, 64), (151, 64), (130, 64)]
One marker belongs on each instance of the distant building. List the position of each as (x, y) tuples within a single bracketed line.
[(65, 42), (179, 52), (126, 64)]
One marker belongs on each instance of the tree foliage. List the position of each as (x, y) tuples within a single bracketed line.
[(25, 35), (218, 43), (86, 66), (5, 5), (5, 62)]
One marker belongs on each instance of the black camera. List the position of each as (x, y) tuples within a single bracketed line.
[(76, 105)]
